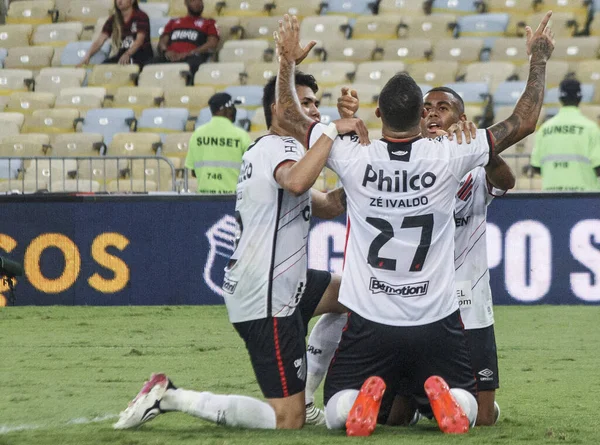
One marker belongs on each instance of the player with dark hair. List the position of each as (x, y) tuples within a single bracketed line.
[(398, 283)]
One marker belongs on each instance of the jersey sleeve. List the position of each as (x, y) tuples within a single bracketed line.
[(341, 149), (211, 29), (168, 28), (284, 149), (536, 152), (108, 26), (465, 157)]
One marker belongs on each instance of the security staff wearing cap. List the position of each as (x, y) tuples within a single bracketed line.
[(567, 147), (215, 149)]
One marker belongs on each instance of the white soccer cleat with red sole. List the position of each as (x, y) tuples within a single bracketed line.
[(146, 405)]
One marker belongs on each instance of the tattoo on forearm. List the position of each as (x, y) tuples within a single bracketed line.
[(294, 120)]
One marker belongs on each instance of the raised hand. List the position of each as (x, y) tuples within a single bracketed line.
[(287, 40), (540, 43), (353, 125), (347, 103)]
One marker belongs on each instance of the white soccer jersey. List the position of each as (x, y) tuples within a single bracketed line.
[(470, 255), (399, 267), (268, 274)]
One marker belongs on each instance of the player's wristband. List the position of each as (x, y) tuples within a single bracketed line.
[(331, 131)]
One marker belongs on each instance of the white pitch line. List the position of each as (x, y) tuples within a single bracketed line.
[(5, 429)]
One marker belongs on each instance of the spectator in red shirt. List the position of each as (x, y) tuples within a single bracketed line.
[(129, 30), (190, 39)]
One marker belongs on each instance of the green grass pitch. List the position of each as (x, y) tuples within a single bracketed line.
[(62, 367)]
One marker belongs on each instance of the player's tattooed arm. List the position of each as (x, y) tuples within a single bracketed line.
[(328, 205), (499, 174), (289, 110), (523, 120)]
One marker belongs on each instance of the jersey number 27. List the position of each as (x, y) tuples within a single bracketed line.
[(387, 233)]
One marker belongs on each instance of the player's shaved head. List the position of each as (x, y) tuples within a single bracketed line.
[(301, 79), (401, 103)]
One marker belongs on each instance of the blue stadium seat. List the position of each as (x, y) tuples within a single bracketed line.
[(329, 114), (248, 95), (3, 54), (455, 6), (587, 94), (74, 52), (471, 92), (163, 120), (425, 87), (9, 168), (108, 122), (483, 25), (349, 7), (242, 118), (157, 25)]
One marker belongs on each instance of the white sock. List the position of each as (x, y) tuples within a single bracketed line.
[(338, 408), (230, 410), (322, 343), (467, 402)]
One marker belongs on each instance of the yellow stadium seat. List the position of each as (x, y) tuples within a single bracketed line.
[(368, 93), (491, 72), (460, 50), (131, 186), (403, 7), (367, 115), (16, 118), (81, 98), (244, 51), (260, 73), (509, 49), (325, 28), (300, 9), (513, 7), (15, 36), (57, 34), (165, 75), (87, 11), (192, 98), (435, 73), (229, 27), (32, 12), (576, 49), (50, 169), (556, 70), (591, 112), (258, 122), (219, 75), (51, 121), (53, 80), (331, 73), (378, 27), (156, 170), (3, 102), (27, 102), (29, 57), (74, 186), (176, 144), (113, 76), (25, 145), (588, 71), (12, 80), (102, 169), (23, 186), (563, 24), (577, 7), (433, 27), (138, 98), (355, 50), (134, 144), (77, 144), (407, 50), (260, 28), (241, 8), (8, 129), (377, 73)]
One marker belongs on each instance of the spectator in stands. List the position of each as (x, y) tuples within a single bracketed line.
[(567, 147), (191, 39), (129, 30), (215, 149)]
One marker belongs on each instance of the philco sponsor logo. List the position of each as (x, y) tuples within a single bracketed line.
[(404, 290), (229, 286)]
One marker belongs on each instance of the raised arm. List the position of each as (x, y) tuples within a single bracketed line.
[(328, 205), (523, 119), (500, 174)]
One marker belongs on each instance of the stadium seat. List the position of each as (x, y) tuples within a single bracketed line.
[(108, 121), (368, 94), (23, 186), (509, 49), (435, 73), (15, 118), (165, 75), (355, 50), (331, 73), (102, 169), (57, 34), (563, 24), (405, 8), (260, 73), (329, 114), (74, 186), (512, 7), (12, 80), (219, 75), (3, 102), (157, 27), (8, 129), (229, 28), (163, 120), (82, 98), (192, 98), (137, 98), (49, 169), (556, 70), (472, 93), (113, 76), (134, 144), (244, 51), (53, 80), (483, 25), (176, 144), (19, 145), (367, 115), (507, 93), (242, 118), (588, 71), (462, 50), (433, 27), (591, 111), (551, 97), (294, 7), (325, 28), (15, 36), (503, 112), (29, 57), (377, 73), (378, 27), (51, 121), (454, 7), (158, 171), (491, 72), (77, 144), (31, 12), (74, 52), (407, 50), (240, 8), (258, 122), (130, 185), (260, 28), (155, 9), (87, 11), (577, 7), (27, 102), (576, 49), (351, 8), (250, 96)]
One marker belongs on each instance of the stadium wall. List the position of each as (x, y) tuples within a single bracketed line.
[(154, 250)]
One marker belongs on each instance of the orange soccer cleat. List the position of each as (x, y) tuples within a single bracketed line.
[(362, 418), (449, 415)]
